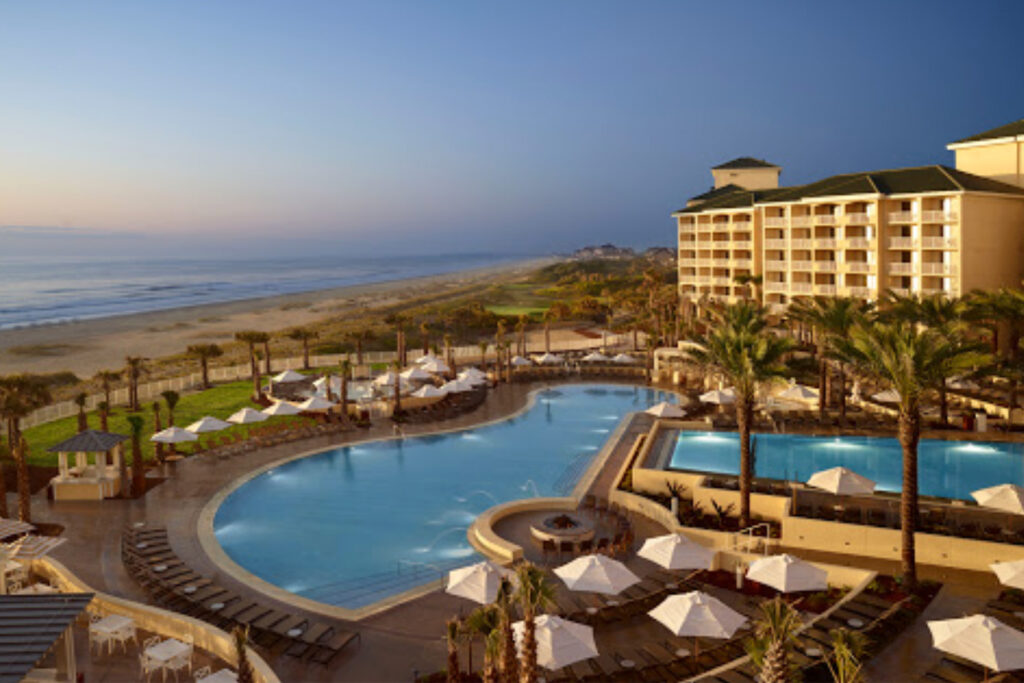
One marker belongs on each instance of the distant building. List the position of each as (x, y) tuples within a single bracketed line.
[(925, 230)]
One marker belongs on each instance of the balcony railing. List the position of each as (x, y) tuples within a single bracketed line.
[(774, 265), (775, 244), (902, 291), (939, 242), (858, 218), (859, 267), (775, 287), (704, 279), (741, 225), (939, 216), (902, 268), (825, 242), (743, 244), (825, 266), (800, 244), (742, 263), (825, 289), (802, 265), (800, 221), (930, 291), (721, 262), (825, 219), (688, 262), (902, 243), (938, 269), (860, 243), (775, 221), (902, 217), (721, 280), (801, 287), (687, 227), (861, 292)]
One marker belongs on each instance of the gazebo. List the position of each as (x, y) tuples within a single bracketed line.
[(85, 481)]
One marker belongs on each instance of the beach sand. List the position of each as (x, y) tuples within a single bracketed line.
[(86, 346)]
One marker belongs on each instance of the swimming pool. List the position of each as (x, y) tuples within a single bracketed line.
[(354, 525), (947, 469)]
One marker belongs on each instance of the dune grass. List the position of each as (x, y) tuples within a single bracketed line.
[(219, 401)]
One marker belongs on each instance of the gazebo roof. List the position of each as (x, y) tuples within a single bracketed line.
[(30, 625), (89, 441)]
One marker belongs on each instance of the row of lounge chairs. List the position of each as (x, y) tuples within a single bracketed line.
[(448, 407), (149, 558), (953, 669), (272, 435)]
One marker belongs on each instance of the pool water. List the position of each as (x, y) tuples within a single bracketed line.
[(354, 525), (946, 469)]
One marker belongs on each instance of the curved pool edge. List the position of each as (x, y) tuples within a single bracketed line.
[(217, 555)]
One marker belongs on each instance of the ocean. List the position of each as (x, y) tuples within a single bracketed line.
[(34, 292)]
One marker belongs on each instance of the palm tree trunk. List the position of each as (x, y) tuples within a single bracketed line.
[(3, 491), (24, 483), (266, 357), (547, 337), (822, 388), (528, 663), (944, 405), (305, 354), (344, 396), (909, 434), (744, 412), (842, 391), (509, 674), (138, 469), (359, 351), (204, 365)]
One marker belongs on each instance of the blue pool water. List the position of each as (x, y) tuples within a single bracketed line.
[(947, 469), (353, 525)]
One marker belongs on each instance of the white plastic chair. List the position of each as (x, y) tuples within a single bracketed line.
[(97, 638), (123, 636), (147, 666), (176, 664), (202, 673)]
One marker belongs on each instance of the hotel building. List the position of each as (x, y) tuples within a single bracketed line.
[(925, 230)]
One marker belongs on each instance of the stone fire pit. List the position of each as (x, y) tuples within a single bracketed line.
[(562, 527)]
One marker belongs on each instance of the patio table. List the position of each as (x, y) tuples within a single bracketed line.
[(113, 625), (222, 676), (167, 650), (36, 589)]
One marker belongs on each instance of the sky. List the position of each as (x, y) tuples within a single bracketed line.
[(524, 127)]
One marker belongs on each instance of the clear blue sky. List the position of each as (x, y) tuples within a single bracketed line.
[(533, 126)]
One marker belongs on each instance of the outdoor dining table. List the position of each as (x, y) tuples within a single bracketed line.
[(14, 569), (36, 589), (167, 650), (112, 625), (222, 676)]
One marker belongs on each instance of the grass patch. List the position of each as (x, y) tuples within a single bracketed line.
[(515, 311), (220, 401), (45, 350)]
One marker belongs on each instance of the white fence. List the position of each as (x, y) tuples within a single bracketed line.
[(151, 391)]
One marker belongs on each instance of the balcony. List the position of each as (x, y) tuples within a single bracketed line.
[(861, 292), (902, 217), (938, 269), (800, 244), (825, 266), (802, 265), (859, 267), (825, 219), (902, 291), (825, 243), (741, 225), (828, 290), (902, 268), (775, 221), (704, 279), (939, 242), (902, 243), (686, 227), (801, 287), (774, 265), (721, 262), (743, 244), (859, 243), (775, 287), (858, 219), (775, 244), (930, 291), (721, 280), (938, 216), (687, 262), (800, 221), (742, 263)]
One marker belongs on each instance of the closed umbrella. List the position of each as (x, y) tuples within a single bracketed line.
[(173, 435), (247, 416), (560, 642), (1006, 497), (289, 376), (597, 574), (719, 397), (666, 409), (698, 615), (676, 551), (1010, 573), (282, 408), (842, 482), (478, 582), (207, 424), (788, 574), (981, 639)]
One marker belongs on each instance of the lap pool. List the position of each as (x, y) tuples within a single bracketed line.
[(354, 525), (946, 469)]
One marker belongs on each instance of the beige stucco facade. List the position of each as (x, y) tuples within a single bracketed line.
[(750, 178), (1000, 159)]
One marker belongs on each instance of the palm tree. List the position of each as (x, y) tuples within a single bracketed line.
[(425, 336), (396, 366), (134, 368), (548, 316), (483, 354), (521, 335), (999, 308), (752, 281), (452, 639), (135, 422), (774, 634), (104, 410), (483, 622), (203, 353), (359, 337), (106, 378), (449, 353), (20, 395), (264, 338), (844, 661), (534, 594), (251, 338), (157, 427), (912, 360), (742, 350), (505, 602), (240, 638), (83, 419), (304, 335), (171, 398), (345, 370)]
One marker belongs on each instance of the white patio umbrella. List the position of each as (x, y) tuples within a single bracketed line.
[(665, 409), (719, 397), (698, 615), (887, 396), (473, 372), (788, 574), (289, 376), (519, 361), (799, 392), (425, 359), (315, 404), (429, 391), (548, 359), (1005, 497), (982, 639), (247, 416), (472, 380), (478, 582), (623, 358), (281, 408), (435, 366), (676, 551), (597, 574), (173, 435), (416, 375), (842, 482), (456, 386), (207, 424), (963, 384), (1010, 573), (595, 357), (386, 380), (560, 642)]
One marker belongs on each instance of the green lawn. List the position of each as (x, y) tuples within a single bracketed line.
[(517, 310), (220, 402)]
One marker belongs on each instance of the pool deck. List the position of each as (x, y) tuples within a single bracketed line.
[(414, 628)]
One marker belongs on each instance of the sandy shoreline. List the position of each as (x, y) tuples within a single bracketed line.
[(85, 346)]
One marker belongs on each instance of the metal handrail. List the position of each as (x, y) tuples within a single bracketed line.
[(748, 533)]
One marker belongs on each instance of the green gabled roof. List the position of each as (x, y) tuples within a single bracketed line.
[(1010, 129), (735, 199), (745, 162), (715, 192)]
